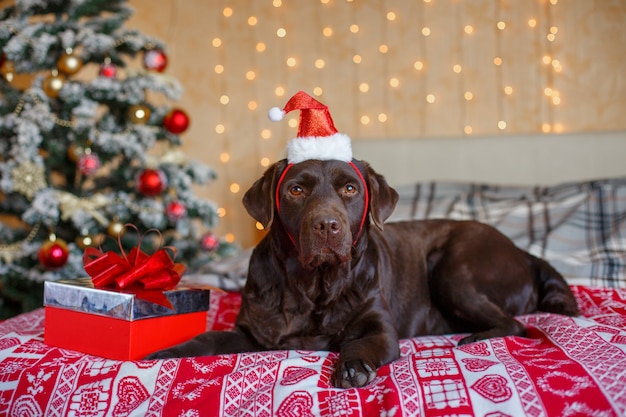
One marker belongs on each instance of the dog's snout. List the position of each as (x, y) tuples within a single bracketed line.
[(326, 226), (325, 237)]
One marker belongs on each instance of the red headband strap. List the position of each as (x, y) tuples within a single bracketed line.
[(365, 206)]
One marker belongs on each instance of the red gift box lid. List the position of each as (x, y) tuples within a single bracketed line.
[(80, 295)]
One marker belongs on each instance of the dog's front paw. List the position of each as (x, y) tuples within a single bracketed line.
[(353, 374), (472, 338)]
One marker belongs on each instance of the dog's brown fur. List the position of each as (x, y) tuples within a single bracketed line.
[(314, 285)]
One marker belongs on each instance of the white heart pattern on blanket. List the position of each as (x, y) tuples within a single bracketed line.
[(477, 365), (493, 387), (294, 374), (131, 394)]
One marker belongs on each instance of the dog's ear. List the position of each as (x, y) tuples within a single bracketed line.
[(383, 197), (259, 199)]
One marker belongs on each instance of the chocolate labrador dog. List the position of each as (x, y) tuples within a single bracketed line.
[(330, 276)]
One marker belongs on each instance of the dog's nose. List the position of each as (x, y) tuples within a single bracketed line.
[(327, 226)]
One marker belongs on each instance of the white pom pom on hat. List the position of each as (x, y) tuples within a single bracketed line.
[(275, 114), (317, 136)]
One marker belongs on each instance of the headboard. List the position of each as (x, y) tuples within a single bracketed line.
[(514, 159)]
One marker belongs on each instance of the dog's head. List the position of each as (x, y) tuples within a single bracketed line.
[(324, 207)]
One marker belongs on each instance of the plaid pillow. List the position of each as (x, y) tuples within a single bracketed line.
[(580, 228)]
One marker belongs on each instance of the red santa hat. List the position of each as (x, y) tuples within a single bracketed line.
[(317, 137)]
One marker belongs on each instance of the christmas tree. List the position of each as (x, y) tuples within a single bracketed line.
[(90, 142)]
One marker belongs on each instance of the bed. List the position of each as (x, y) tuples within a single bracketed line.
[(564, 367)]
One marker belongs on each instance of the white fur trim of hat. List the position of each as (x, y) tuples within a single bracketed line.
[(324, 148)]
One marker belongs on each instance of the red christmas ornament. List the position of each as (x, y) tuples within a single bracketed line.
[(54, 253), (88, 163), (175, 210), (209, 242), (108, 70), (176, 121), (3, 58), (155, 60), (151, 182)]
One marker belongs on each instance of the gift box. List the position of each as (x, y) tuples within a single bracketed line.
[(117, 324)]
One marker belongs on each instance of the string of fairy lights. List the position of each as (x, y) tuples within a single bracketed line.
[(268, 30)]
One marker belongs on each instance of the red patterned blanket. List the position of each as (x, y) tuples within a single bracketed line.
[(566, 367)]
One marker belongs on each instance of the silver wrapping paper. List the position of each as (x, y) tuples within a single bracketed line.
[(80, 295)]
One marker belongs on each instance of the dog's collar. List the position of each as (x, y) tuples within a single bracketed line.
[(365, 206)]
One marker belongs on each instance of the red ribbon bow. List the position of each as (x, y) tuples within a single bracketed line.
[(146, 276)]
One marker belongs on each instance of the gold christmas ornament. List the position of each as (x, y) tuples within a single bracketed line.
[(139, 114), (74, 152), (85, 241), (7, 72), (28, 178), (53, 84), (116, 228), (6, 69), (69, 64), (8, 76)]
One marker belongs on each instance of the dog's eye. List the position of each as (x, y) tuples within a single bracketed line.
[(296, 190), (349, 189)]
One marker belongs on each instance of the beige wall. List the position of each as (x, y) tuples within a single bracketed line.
[(531, 66)]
